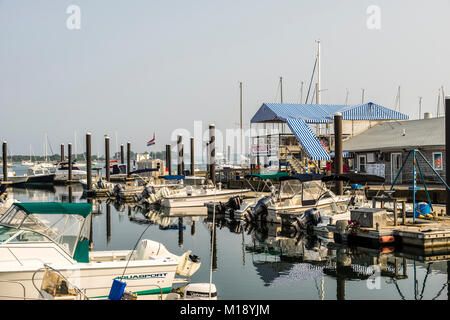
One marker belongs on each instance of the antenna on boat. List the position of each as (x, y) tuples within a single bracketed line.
[(346, 96)]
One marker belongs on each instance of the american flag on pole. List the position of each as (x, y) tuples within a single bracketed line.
[(151, 141)]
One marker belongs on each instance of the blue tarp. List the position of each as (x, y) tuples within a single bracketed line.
[(173, 177)]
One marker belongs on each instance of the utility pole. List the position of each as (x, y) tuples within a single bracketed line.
[(438, 103), (240, 123), (281, 99), (420, 108), (318, 72)]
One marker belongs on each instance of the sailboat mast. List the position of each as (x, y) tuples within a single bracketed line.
[(318, 72)]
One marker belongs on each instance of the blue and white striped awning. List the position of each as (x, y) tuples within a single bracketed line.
[(324, 113), (308, 140), (298, 116)]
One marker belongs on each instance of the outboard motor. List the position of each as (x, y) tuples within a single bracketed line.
[(148, 190), (117, 188), (309, 219), (259, 212), (234, 203)]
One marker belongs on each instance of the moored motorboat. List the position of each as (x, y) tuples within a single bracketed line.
[(33, 235)]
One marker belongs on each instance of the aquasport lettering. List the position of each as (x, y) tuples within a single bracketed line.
[(141, 276)]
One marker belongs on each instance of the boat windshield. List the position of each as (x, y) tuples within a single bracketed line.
[(312, 190), (63, 229), (290, 188)]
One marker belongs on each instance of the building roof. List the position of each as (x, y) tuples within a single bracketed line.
[(324, 113), (399, 134), (298, 116)]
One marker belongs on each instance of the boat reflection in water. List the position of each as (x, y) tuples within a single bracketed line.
[(263, 260), (283, 257)]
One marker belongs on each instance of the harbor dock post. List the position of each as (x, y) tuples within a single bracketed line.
[(108, 222), (182, 158), (192, 157), (5, 161), (122, 155), (168, 160), (212, 146), (179, 169), (69, 157), (180, 232), (62, 152), (338, 162), (128, 159), (108, 178), (207, 160), (447, 151), (88, 161), (258, 162)]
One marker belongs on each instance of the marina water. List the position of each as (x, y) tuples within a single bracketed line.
[(252, 262)]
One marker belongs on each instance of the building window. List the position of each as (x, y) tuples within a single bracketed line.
[(437, 160), (362, 163)]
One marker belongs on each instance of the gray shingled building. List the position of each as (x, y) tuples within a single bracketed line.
[(382, 149)]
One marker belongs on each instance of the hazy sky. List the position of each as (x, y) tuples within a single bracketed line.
[(136, 67)]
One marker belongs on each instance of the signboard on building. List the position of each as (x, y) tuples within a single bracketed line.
[(377, 169), (262, 150)]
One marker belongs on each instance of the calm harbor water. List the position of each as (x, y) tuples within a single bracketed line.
[(260, 262)]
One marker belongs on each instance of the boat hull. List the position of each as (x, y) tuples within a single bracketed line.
[(199, 200), (44, 178), (147, 281)]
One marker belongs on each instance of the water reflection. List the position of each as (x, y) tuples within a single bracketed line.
[(260, 261)]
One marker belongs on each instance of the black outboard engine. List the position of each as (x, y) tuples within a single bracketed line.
[(259, 212), (309, 219), (147, 192), (234, 203), (117, 188)]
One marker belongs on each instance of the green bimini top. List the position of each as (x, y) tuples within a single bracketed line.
[(82, 209), (266, 176)]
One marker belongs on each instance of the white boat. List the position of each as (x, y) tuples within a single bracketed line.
[(38, 174), (14, 178), (196, 197), (33, 235), (62, 172), (296, 195), (28, 163)]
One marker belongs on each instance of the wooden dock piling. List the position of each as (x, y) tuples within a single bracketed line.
[(179, 168), (182, 158), (192, 157), (122, 156), (69, 154), (338, 161), (168, 159), (447, 150), (88, 162), (62, 153), (128, 159), (5, 161), (212, 146), (108, 178)]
